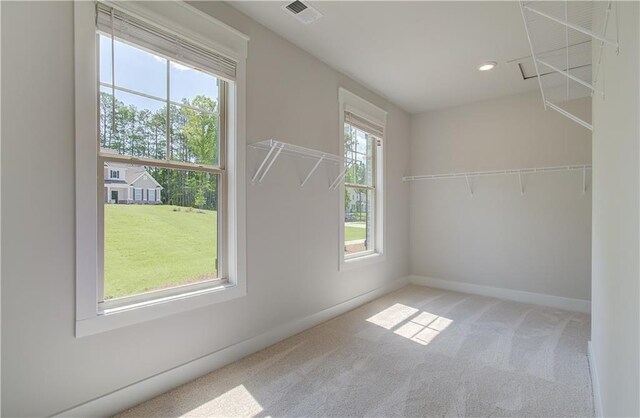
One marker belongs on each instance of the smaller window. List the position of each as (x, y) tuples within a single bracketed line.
[(360, 190), (114, 174), (151, 195), (137, 195), (362, 137)]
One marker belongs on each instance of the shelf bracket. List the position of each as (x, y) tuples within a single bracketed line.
[(571, 77), (569, 115), (255, 175), (338, 179), (268, 167), (315, 167), (521, 184), (584, 179), (469, 185)]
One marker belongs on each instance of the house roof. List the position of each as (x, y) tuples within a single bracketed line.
[(114, 181), (131, 173)]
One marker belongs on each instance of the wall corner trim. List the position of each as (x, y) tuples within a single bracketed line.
[(142, 390), (595, 383), (559, 302)]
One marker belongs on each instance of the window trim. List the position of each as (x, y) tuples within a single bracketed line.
[(192, 23), (350, 102)]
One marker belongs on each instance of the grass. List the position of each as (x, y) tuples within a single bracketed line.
[(153, 247), (352, 233)]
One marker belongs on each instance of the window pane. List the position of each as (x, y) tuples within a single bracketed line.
[(158, 242), (193, 87), (105, 59), (358, 226), (194, 134), (140, 125), (358, 150), (140, 70), (106, 122)]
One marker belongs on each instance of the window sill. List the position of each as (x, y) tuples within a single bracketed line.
[(124, 316), (361, 261)]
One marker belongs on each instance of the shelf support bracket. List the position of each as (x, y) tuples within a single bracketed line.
[(255, 175), (268, 167), (338, 179), (315, 167), (570, 116), (273, 160), (521, 184), (571, 77), (469, 185), (584, 179)]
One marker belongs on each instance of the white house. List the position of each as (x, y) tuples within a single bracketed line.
[(357, 202), (126, 184)]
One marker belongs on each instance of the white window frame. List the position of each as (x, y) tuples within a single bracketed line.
[(182, 19), (137, 190), (154, 195), (361, 107), (114, 174)]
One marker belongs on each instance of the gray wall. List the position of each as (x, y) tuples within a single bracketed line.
[(539, 242), (616, 244), (292, 242)]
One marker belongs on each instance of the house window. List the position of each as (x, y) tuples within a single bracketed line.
[(362, 209), (162, 102), (167, 100), (114, 174)]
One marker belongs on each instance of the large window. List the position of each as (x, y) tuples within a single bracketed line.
[(161, 122), (362, 209), (164, 108)]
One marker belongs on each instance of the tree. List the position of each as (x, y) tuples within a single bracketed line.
[(201, 129), (199, 200), (143, 133)]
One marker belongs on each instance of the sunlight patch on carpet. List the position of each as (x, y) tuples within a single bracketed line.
[(421, 327), (392, 316)]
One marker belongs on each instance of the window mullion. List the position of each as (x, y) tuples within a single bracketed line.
[(113, 80), (168, 122)]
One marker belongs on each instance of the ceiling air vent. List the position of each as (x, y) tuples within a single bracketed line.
[(301, 11)]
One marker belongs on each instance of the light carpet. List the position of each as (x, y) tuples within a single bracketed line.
[(415, 352)]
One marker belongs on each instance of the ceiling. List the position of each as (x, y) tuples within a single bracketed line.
[(420, 55)]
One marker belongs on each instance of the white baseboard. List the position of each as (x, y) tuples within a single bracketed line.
[(595, 383), (155, 385), (558, 302)]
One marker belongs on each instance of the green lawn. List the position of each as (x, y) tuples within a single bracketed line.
[(353, 233), (153, 247)]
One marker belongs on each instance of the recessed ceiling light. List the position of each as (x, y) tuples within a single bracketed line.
[(486, 66)]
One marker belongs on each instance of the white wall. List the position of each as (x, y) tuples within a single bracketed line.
[(616, 245), (539, 242), (292, 233)]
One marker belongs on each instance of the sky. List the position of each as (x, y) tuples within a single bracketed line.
[(141, 71)]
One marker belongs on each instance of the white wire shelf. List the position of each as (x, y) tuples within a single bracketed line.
[(560, 35), (276, 148), (519, 172)]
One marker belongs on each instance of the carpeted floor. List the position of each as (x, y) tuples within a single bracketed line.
[(415, 352)]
